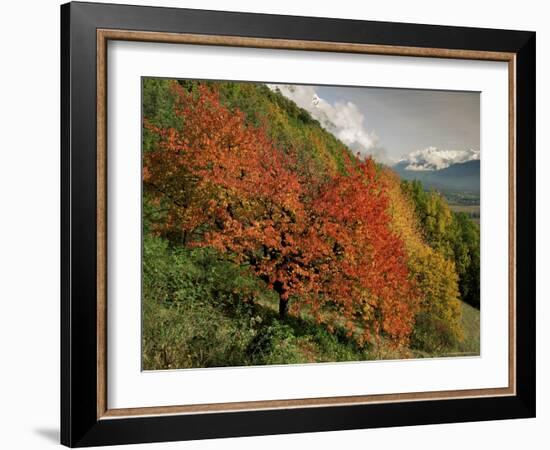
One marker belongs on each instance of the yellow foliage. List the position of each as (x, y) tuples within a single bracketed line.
[(438, 323)]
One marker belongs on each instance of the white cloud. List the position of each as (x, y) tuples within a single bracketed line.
[(432, 158), (343, 119)]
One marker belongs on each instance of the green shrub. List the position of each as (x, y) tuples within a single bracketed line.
[(197, 308), (202, 311)]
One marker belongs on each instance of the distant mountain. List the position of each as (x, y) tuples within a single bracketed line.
[(434, 158), (460, 177)]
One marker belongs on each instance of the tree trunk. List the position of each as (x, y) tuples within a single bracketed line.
[(283, 308), (283, 299)]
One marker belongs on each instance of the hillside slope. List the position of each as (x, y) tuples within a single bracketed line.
[(292, 128), (248, 203)]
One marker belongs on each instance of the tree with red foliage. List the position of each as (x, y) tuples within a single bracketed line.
[(224, 184), (366, 273)]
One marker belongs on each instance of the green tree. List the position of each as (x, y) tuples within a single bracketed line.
[(454, 235)]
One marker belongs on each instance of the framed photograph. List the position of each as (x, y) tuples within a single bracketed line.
[(276, 224)]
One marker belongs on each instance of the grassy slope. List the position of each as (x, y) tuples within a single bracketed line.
[(193, 316), (471, 323), (181, 335), (470, 346)]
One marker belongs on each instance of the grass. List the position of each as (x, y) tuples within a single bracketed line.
[(195, 334), (202, 311), (470, 346), (202, 335), (471, 324)]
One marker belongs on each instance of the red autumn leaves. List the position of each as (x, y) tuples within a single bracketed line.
[(324, 245)]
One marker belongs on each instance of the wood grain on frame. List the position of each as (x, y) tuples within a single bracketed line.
[(103, 35), (101, 223), (512, 223)]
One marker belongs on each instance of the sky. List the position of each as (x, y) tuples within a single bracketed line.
[(429, 129)]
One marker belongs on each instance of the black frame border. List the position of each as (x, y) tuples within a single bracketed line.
[(79, 423)]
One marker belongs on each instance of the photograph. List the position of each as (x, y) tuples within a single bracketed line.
[(296, 224)]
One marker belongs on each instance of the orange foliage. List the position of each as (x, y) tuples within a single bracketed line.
[(224, 184), (438, 323), (367, 274)]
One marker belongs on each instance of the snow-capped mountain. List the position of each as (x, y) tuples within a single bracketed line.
[(433, 158), (444, 170)]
